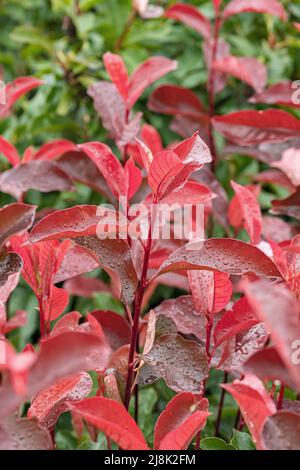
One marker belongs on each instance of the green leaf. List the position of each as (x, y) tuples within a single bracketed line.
[(215, 443), (242, 441)]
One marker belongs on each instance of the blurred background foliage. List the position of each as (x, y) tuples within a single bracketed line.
[(62, 42)]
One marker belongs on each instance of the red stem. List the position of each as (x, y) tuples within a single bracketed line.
[(280, 398), (211, 89), (136, 316)]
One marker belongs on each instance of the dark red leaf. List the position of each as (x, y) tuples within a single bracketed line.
[(175, 100), (147, 73), (254, 127), (116, 329), (15, 90), (111, 418), (182, 418), (54, 149), (289, 206), (15, 218), (10, 263), (191, 16), (221, 254)]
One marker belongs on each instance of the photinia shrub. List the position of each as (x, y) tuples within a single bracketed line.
[(140, 373)]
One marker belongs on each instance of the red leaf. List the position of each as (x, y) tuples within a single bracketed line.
[(290, 165), (111, 418), (108, 164), (175, 100), (9, 151), (254, 402), (15, 90), (49, 404), (271, 304), (282, 431), (289, 206), (221, 254), (281, 94), (240, 318), (147, 73), (190, 16), (85, 286), (116, 329), (247, 69), (151, 138), (10, 263), (182, 311), (15, 218), (54, 149), (67, 223), (246, 205), (254, 127), (59, 356), (117, 71), (44, 176), (273, 7), (133, 178), (182, 418), (23, 434), (76, 261), (211, 291)]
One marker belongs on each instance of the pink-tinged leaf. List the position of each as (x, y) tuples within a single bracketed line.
[(254, 402), (117, 71), (133, 178), (15, 218), (112, 388), (290, 165), (217, 5), (223, 51), (59, 356), (130, 131), (5, 291), (9, 151), (80, 168), (116, 329), (75, 262), (41, 175), (145, 154), (15, 90), (274, 177), (193, 150), (82, 286), (183, 364), (272, 7), (182, 418), (111, 418), (241, 347), (282, 431), (266, 364), (54, 149), (281, 93), (211, 291), (271, 304), (110, 106), (245, 204), (175, 100), (108, 165), (114, 256), (17, 321), (246, 69), (289, 206), (249, 128), (221, 254), (147, 73), (49, 404), (23, 434), (240, 318), (276, 229), (182, 311), (190, 16)]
